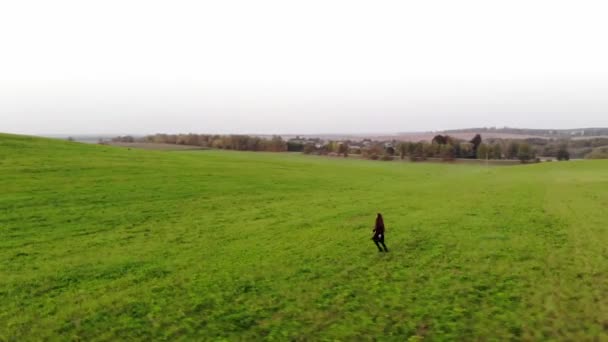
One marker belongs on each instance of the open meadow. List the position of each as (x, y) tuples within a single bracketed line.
[(109, 243)]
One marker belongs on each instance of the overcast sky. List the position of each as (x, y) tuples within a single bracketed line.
[(300, 66)]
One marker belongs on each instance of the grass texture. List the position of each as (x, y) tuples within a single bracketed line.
[(109, 243)]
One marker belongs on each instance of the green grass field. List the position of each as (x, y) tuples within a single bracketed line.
[(107, 243)]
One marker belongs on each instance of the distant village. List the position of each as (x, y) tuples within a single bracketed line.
[(443, 147)]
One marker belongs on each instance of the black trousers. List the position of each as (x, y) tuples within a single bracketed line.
[(379, 239)]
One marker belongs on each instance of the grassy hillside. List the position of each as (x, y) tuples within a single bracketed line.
[(101, 243)]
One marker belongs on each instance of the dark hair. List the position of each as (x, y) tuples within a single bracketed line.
[(379, 221)]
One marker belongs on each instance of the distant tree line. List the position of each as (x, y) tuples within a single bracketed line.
[(444, 147), (448, 148), (560, 133), (598, 153), (526, 150), (576, 148), (227, 142), (558, 144)]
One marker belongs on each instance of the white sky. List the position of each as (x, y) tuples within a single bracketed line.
[(301, 66)]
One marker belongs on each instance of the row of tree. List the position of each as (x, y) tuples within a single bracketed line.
[(442, 146), (227, 142), (514, 150), (449, 148)]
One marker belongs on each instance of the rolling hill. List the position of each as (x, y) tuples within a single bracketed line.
[(107, 243)]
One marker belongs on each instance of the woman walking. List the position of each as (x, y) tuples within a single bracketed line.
[(378, 237)]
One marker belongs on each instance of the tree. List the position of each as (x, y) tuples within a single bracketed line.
[(550, 151), (512, 150), (446, 152), (496, 151), (417, 151), (295, 146), (476, 141), (466, 150), (562, 153), (343, 149), (374, 151), (524, 152), (430, 150), (308, 149), (457, 150), (411, 149), (598, 153), (277, 144), (483, 151), (440, 139), (403, 149)]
